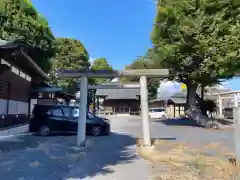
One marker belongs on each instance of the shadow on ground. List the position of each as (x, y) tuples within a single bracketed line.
[(108, 152), (37, 158), (179, 122)]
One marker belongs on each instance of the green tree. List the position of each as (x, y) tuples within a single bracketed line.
[(153, 83), (70, 54), (20, 20), (198, 41), (100, 64)]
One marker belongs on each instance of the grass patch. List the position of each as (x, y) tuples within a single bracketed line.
[(210, 162)]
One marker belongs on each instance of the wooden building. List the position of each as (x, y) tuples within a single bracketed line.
[(44, 93), (17, 74), (22, 85), (120, 101)]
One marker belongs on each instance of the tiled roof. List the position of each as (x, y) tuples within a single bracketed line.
[(177, 98), (120, 93)]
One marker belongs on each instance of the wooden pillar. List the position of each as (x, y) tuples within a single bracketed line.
[(98, 102), (174, 110), (94, 102)]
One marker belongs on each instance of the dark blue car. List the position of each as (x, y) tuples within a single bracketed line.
[(47, 119)]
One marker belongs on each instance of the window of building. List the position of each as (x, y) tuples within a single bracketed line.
[(5, 62), (22, 74), (40, 95), (28, 78), (15, 70)]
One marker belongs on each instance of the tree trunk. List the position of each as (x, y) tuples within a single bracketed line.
[(202, 104), (192, 110), (202, 91), (94, 102), (191, 95)]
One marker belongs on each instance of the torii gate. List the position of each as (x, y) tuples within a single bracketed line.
[(85, 73)]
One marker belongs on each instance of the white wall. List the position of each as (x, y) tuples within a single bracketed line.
[(3, 106), (17, 107)]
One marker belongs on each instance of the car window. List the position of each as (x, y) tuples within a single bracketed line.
[(75, 112), (158, 110), (66, 111), (91, 116), (57, 112), (41, 110)]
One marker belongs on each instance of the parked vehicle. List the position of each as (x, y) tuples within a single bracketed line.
[(228, 113), (61, 118), (158, 113)]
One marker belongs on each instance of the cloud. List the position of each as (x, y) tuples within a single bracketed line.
[(167, 89)]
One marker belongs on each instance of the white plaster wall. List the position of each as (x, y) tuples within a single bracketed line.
[(22, 108), (17, 107), (3, 106)]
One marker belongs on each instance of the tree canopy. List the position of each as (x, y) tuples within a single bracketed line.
[(70, 54), (21, 20), (198, 41), (100, 64)]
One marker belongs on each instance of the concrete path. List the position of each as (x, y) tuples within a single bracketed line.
[(113, 157), (15, 131)]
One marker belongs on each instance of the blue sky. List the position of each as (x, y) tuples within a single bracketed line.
[(118, 30)]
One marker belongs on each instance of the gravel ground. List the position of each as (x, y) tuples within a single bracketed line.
[(111, 158), (115, 158), (35, 158)]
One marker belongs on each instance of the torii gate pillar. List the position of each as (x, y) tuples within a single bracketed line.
[(81, 135), (145, 113)]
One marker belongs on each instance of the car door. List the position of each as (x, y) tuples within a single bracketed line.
[(58, 119), (90, 122), (70, 123), (73, 120)]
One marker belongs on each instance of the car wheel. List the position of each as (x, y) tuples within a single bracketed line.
[(44, 130), (96, 131)]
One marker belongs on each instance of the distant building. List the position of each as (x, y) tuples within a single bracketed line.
[(121, 99), (174, 104)]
